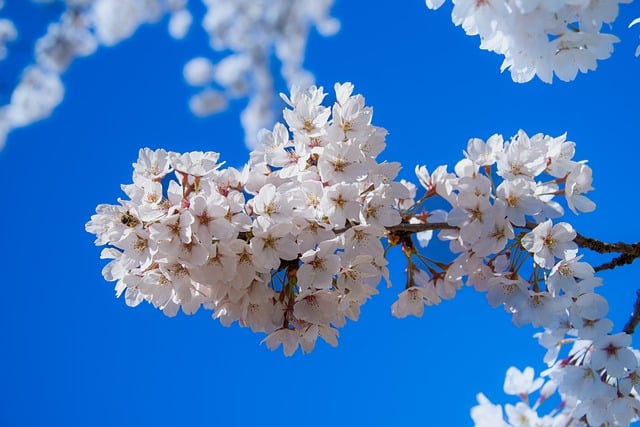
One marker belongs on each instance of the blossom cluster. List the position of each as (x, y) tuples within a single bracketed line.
[(276, 27), (289, 245), (501, 228), (537, 37), (499, 209), (588, 398)]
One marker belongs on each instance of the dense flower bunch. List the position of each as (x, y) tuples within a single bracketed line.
[(289, 246), (589, 398), (279, 27), (501, 226), (501, 214), (540, 37)]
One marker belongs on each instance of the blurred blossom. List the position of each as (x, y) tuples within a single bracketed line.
[(248, 35)]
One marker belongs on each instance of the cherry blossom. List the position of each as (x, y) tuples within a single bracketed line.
[(540, 38), (296, 241), (279, 32)]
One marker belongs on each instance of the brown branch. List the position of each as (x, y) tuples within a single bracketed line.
[(628, 251), (417, 228), (633, 321), (618, 261), (600, 246), (605, 248)]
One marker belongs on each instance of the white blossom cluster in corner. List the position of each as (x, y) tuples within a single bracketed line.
[(289, 245), (246, 33), (540, 37), (588, 397)]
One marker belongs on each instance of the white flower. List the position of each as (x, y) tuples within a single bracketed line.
[(510, 292), (486, 414), (288, 338), (308, 116), (551, 339), (116, 20), (351, 118), (521, 415), (207, 102), (611, 352), (339, 203), (473, 215), (625, 409), (522, 157), (564, 274), (410, 301), (151, 164), (62, 44), (272, 242), (484, 154), (37, 94), (440, 181), (319, 266), (579, 182), (172, 230), (521, 383), (495, 238), (517, 196), (272, 204), (540, 309), (195, 163), (559, 156), (547, 242), (340, 163), (198, 71), (311, 233), (377, 210), (210, 221), (318, 307), (179, 23)]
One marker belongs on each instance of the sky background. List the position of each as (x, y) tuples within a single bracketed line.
[(71, 354)]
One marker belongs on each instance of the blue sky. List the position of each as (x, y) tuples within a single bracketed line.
[(73, 355)]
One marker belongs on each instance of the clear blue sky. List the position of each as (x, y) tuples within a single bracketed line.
[(72, 355)]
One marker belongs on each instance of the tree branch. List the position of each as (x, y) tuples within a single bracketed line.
[(631, 250), (417, 228), (633, 321), (618, 261), (604, 248), (628, 251)]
